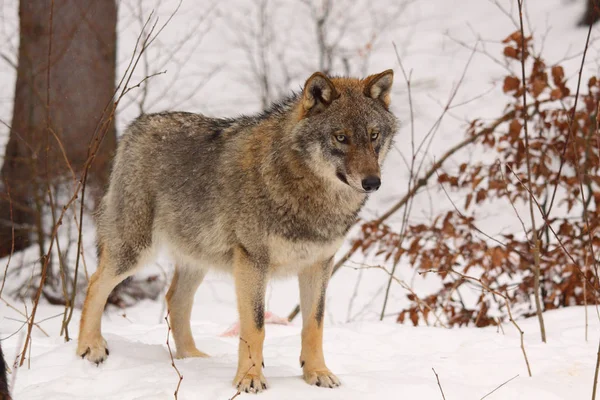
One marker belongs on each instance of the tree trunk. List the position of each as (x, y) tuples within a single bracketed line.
[(592, 13), (65, 79)]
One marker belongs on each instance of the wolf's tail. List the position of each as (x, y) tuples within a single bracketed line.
[(4, 395)]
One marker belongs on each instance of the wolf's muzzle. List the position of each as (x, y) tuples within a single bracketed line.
[(371, 183)]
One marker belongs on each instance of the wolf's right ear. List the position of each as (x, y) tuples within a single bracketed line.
[(318, 93)]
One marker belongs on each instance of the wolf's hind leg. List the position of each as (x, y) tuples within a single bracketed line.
[(91, 345), (180, 299), (313, 285)]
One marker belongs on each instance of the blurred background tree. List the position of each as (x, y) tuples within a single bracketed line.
[(65, 80)]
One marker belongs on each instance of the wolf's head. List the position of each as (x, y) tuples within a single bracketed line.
[(346, 128)]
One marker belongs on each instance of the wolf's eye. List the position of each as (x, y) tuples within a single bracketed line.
[(341, 138), (374, 135)]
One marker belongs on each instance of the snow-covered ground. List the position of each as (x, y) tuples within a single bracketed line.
[(374, 360)]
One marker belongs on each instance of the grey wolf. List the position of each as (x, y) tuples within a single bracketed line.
[(257, 196)]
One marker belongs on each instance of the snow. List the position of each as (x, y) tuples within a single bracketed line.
[(374, 360)]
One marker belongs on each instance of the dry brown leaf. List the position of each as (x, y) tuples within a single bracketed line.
[(558, 74), (511, 84), (511, 52), (538, 87), (514, 129)]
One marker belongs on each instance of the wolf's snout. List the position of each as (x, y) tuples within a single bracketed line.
[(371, 183)]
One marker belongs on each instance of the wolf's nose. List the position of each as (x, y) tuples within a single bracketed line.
[(371, 183)]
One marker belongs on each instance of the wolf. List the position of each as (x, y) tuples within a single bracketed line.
[(258, 196)]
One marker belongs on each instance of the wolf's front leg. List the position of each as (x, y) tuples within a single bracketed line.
[(313, 285), (250, 276)]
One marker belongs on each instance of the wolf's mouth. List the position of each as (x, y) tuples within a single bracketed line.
[(342, 177)]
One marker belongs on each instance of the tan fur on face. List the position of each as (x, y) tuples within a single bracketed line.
[(362, 164)]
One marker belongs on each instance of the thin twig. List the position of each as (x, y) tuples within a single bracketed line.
[(585, 303), (171, 355), (12, 246), (512, 203), (594, 389), (25, 323), (439, 384), (536, 240), (61, 264), (571, 120), (238, 392), (24, 315), (580, 178), (499, 386), (408, 207)]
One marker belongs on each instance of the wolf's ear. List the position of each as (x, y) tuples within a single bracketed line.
[(379, 86), (318, 93)]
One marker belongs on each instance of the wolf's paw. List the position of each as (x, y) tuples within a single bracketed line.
[(250, 383), (322, 378), (93, 350), (191, 353)]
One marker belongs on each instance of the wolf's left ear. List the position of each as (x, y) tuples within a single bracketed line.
[(318, 93), (379, 86)]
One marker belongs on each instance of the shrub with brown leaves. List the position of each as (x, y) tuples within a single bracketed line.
[(564, 152)]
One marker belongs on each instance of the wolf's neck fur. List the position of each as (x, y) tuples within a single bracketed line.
[(297, 193)]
